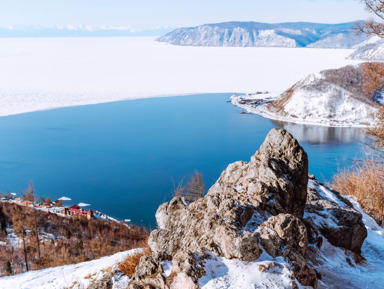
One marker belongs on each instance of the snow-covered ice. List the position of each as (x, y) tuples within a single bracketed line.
[(45, 73)]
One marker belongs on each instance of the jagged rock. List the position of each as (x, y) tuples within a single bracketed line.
[(302, 270), (285, 235), (187, 269), (334, 217), (148, 275), (283, 164), (209, 223), (281, 231), (275, 179), (252, 207)]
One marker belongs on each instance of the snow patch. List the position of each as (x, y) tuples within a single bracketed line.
[(267, 272)]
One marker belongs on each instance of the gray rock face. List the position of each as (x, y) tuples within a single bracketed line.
[(283, 230), (334, 218), (148, 274), (253, 207), (275, 179), (209, 223)]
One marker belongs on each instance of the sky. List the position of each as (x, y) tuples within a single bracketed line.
[(175, 13)]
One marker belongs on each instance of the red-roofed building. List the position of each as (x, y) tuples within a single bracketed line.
[(76, 210)]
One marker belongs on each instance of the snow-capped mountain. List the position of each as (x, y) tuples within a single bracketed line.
[(77, 31), (255, 34), (371, 49)]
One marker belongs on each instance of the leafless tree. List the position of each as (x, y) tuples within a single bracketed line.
[(193, 190), (372, 27)]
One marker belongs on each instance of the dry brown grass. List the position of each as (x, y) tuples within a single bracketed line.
[(128, 266), (366, 183)]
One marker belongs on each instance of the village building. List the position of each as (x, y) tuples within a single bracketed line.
[(76, 210)]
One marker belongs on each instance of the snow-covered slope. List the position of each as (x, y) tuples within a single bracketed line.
[(80, 275), (254, 34), (316, 99), (330, 98), (371, 49)]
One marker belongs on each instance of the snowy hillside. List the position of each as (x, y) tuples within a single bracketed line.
[(371, 49), (80, 275), (254, 34), (329, 98)]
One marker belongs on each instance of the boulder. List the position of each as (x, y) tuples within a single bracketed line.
[(275, 179), (283, 231), (148, 275), (334, 217)]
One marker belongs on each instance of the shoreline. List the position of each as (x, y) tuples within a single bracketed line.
[(104, 101), (259, 108)]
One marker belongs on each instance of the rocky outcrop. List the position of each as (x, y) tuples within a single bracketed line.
[(275, 180), (261, 206), (334, 217), (283, 230)]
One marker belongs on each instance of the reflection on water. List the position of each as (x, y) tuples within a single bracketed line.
[(316, 134)]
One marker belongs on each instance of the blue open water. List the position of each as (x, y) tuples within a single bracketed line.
[(121, 157)]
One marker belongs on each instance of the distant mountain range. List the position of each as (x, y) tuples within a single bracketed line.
[(78, 31), (255, 34)]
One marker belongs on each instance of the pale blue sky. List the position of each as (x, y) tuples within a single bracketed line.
[(175, 13)]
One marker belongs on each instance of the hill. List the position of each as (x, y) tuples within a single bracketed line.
[(348, 96), (255, 34), (371, 49)]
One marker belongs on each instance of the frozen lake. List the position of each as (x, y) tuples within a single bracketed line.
[(121, 157), (44, 73)]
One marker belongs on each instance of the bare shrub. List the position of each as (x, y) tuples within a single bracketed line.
[(128, 266), (347, 77), (373, 76), (194, 189), (377, 132), (366, 183), (372, 27)]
